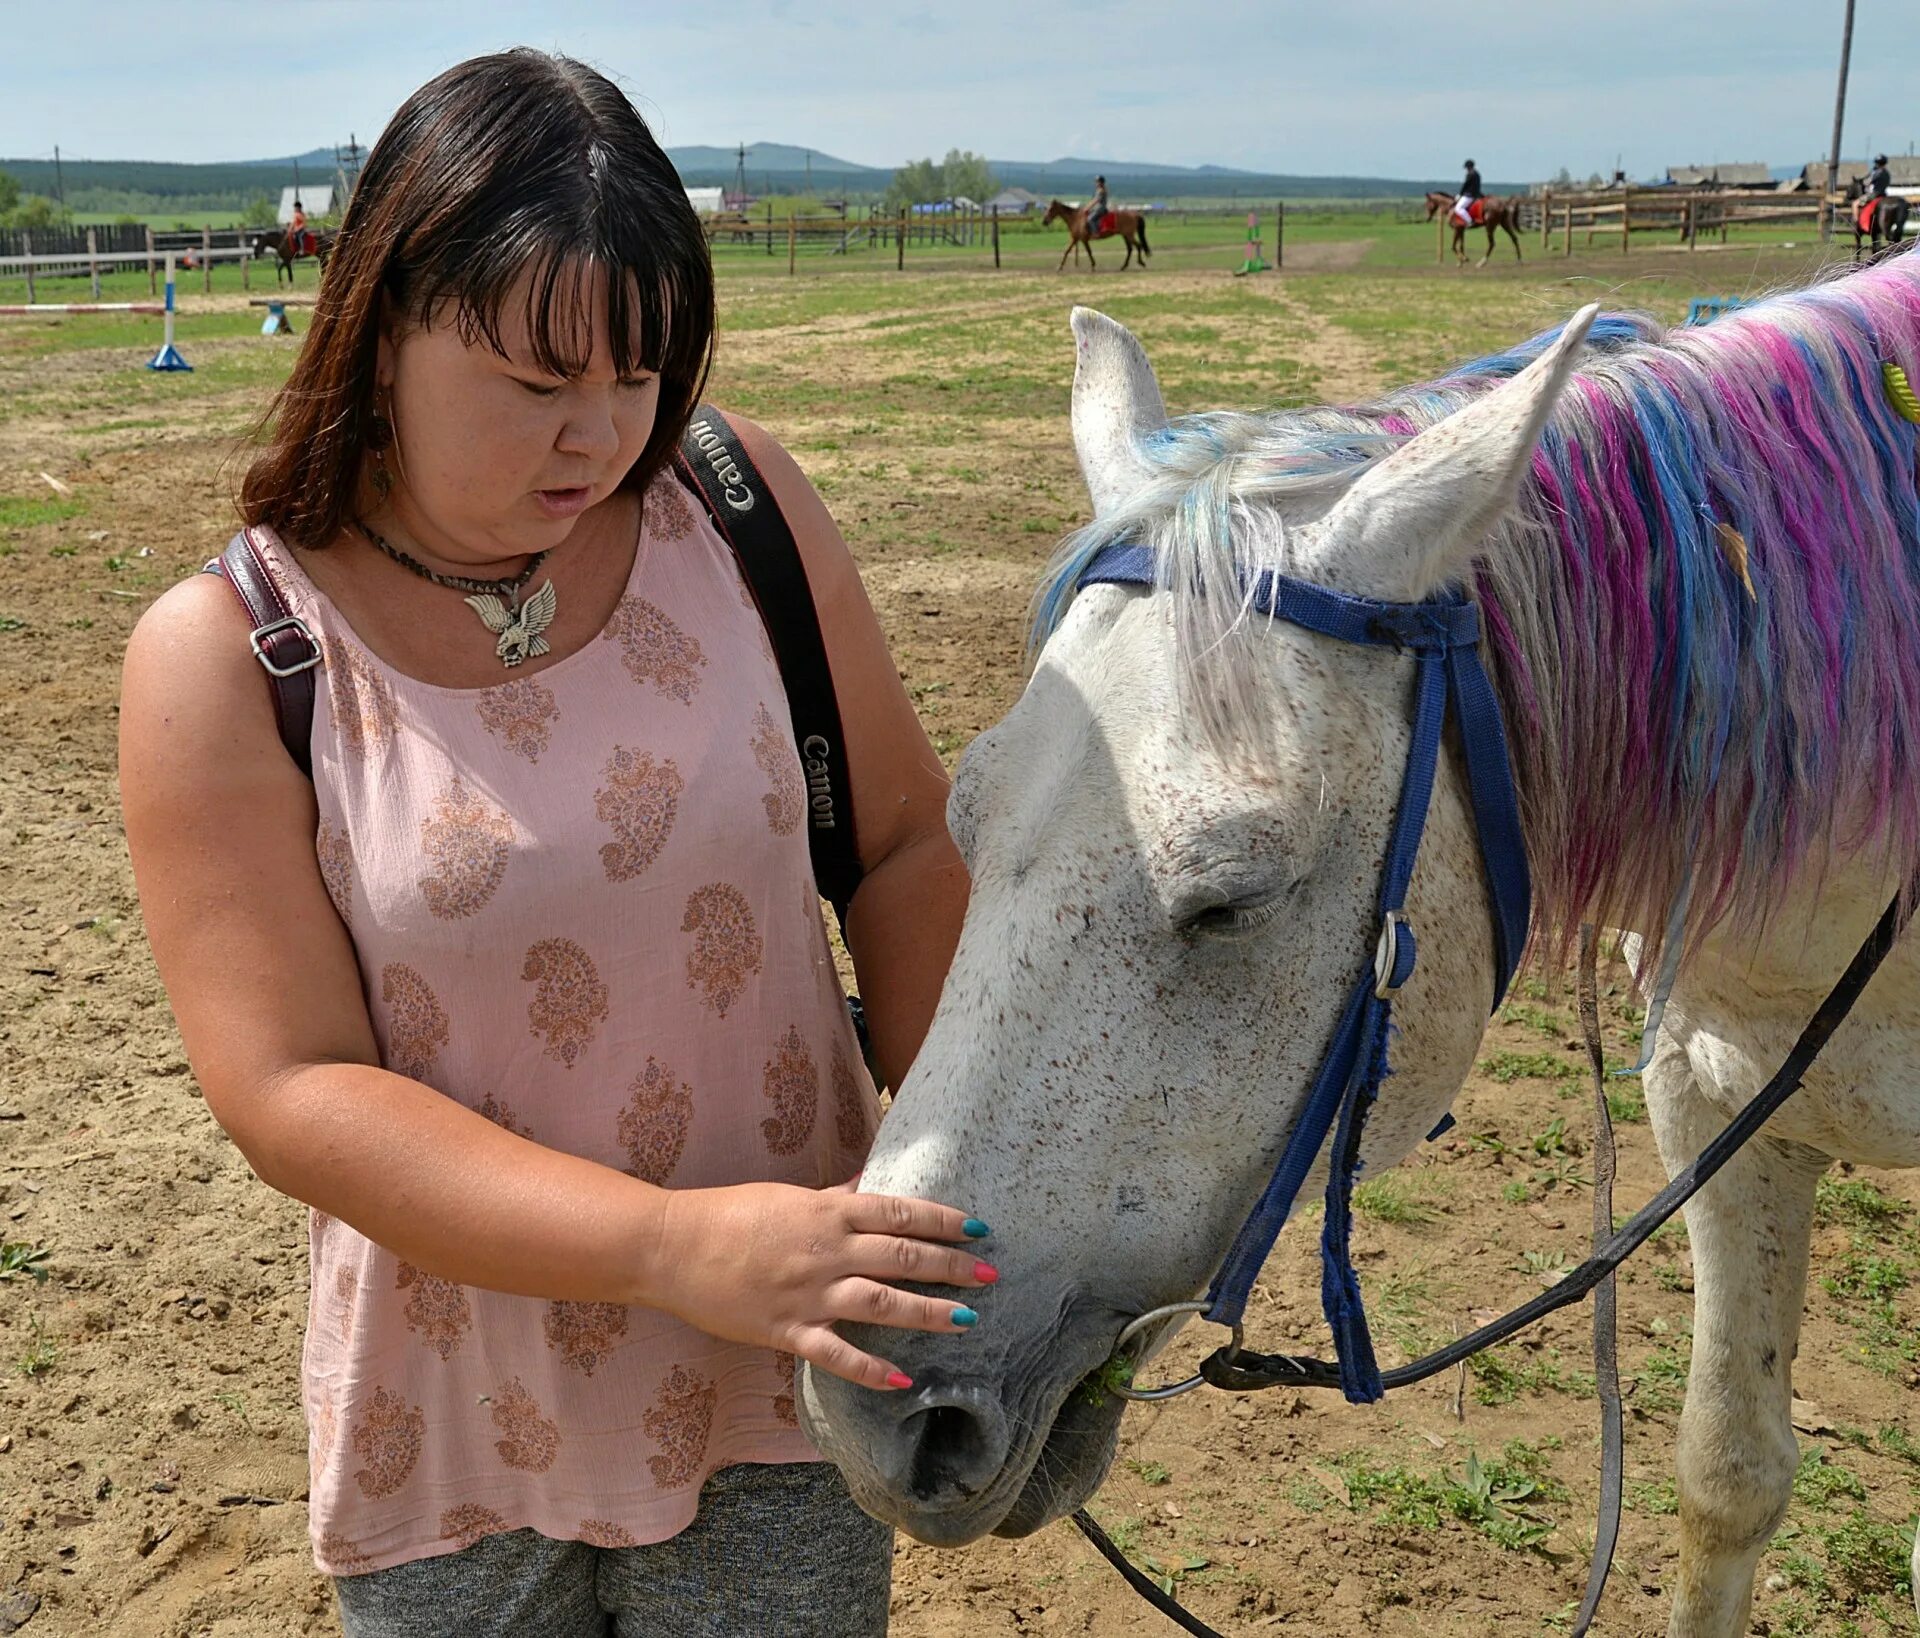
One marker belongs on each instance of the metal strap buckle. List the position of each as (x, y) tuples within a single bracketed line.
[(1386, 955), (292, 622)]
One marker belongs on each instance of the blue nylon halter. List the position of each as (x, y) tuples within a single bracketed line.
[(1444, 635)]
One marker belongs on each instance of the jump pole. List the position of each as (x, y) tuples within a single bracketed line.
[(168, 358), (27, 309)]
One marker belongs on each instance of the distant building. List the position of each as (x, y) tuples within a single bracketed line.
[(1753, 178), (707, 201), (316, 201), (1014, 202), (1905, 169)]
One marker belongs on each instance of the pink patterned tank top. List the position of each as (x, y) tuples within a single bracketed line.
[(583, 906)]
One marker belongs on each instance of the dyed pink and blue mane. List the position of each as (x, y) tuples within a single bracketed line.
[(1704, 614)]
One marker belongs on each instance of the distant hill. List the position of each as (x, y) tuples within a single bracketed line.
[(145, 187)]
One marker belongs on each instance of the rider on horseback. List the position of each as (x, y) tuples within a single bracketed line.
[(1879, 184), (297, 228), (1097, 207), (1470, 190)]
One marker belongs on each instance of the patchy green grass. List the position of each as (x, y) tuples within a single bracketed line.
[(1853, 1203), (1392, 1198), (1501, 1498), (30, 511), (1500, 1375), (1506, 1067)]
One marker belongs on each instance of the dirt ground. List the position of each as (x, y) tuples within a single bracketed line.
[(152, 1457)]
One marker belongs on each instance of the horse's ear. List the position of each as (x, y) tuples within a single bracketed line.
[(1116, 402), (1415, 522)]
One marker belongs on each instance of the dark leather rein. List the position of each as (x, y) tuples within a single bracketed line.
[(1443, 634)]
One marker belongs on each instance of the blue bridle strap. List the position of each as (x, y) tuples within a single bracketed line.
[(1443, 635)]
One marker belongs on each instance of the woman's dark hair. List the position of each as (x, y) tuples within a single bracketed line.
[(508, 164)]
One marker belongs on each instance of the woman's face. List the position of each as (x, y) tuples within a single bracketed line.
[(494, 456)]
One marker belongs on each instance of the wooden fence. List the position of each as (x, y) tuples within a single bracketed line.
[(50, 253), (1686, 215)]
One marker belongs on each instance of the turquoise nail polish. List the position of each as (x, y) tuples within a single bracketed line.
[(974, 1229), (965, 1316)]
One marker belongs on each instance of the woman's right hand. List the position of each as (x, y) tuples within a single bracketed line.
[(776, 1266)]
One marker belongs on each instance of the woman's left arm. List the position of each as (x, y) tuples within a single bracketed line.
[(905, 918)]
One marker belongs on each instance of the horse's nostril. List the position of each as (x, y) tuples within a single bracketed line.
[(953, 1452)]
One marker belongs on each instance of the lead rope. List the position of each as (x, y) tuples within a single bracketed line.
[(1606, 1349)]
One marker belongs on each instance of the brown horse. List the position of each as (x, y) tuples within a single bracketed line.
[(1130, 225), (279, 242), (1498, 213)]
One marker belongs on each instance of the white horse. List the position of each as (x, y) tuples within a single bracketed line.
[(1175, 839)]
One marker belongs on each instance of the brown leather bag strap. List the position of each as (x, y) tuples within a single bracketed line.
[(280, 640)]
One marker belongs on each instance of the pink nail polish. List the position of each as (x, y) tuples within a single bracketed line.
[(899, 1379), (985, 1273)]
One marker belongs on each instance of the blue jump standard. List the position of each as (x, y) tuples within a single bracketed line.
[(278, 324), (168, 358)]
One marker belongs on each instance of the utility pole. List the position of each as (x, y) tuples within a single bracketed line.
[(1839, 118), (346, 169), (59, 178)]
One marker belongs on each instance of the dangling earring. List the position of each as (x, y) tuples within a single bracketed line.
[(379, 436)]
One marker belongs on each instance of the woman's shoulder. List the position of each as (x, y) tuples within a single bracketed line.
[(189, 666)]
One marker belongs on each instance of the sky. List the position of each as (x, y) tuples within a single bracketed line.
[(1365, 87)]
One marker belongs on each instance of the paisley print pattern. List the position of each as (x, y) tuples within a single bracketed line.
[(469, 1523), (335, 854), (654, 650), (783, 1411), (787, 801), (653, 1126), (637, 803), (521, 715), (322, 1426), (346, 1297), (467, 843), (792, 1082), (605, 1533), (583, 1333), (361, 699), (726, 945), (501, 1114), (416, 1025), (342, 1557), (669, 513), (387, 1440), (436, 1309), (570, 1003), (528, 1440), (853, 1116), (679, 1421)]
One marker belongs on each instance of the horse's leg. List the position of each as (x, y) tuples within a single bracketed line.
[(1515, 237), (1750, 1228), (1073, 248), (1490, 239)]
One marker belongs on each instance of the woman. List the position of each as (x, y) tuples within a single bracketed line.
[(526, 993)]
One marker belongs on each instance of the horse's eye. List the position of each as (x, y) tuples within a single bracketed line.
[(1227, 921)]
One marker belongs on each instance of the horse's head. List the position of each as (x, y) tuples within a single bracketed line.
[(1175, 842), (1437, 202), (1057, 212)]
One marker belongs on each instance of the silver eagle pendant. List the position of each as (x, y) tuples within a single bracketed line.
[(518, 626)]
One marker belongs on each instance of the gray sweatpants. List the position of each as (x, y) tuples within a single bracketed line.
[(776, 1551)]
